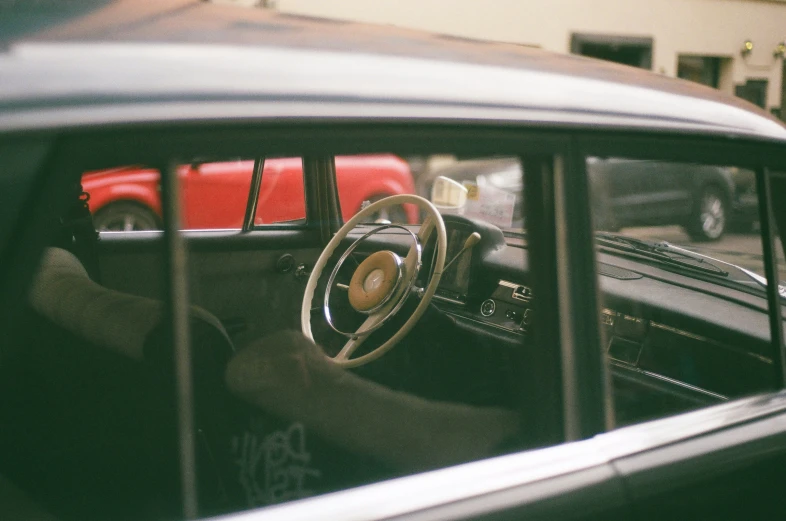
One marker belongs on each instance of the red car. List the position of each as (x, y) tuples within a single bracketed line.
[(214, 194)]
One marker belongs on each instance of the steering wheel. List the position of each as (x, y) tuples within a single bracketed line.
[(380, 284)]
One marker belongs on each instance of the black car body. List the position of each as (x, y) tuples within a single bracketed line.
[(550, 372)]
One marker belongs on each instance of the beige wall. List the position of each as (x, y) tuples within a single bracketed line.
[(702, 27)]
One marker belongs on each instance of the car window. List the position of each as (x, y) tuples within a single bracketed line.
[(394, 405), (494, 187), (213, 195), (682, 284)]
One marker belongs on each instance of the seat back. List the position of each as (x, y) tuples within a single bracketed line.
[(92, 410)]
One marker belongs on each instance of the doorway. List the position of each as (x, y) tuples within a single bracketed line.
[(628, 50), (754, 91)]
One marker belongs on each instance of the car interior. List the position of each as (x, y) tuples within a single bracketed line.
[(324, 355)]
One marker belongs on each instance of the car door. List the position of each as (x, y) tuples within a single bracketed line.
[(249, 279), (566, 398), (230, 273)]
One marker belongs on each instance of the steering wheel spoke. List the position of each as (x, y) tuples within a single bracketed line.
[(354, 343)]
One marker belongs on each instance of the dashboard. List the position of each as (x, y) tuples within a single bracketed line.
[(455, 279), (651, 319), (470, 290)]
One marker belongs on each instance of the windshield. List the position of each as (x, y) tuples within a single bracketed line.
[(697, 217), (493, 187)]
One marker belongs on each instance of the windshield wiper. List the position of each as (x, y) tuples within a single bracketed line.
[(661, 252), (761, 281)]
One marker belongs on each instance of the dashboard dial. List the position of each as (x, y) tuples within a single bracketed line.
[(488, 307)]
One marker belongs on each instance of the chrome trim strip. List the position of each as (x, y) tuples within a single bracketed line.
[(448, 299), (666, 379)]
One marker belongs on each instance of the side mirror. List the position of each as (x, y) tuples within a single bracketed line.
[(447, 194)]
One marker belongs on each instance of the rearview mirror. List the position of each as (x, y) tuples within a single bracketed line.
[(447, 194)]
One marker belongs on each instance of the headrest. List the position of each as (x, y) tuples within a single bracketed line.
[(288, 375)]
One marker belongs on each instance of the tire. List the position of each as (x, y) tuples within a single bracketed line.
[(125, 216), (395, 214), (709, 219)]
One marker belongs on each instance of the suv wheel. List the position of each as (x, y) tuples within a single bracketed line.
[(708, 222), (124, 217)]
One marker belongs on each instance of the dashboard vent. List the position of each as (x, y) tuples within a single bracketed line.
[(617, 273)]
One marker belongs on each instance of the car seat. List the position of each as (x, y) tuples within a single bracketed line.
[(90, 423)]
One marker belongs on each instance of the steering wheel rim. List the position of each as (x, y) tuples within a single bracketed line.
[(432, 223)]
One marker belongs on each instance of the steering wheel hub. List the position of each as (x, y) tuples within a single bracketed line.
[(375, 281)]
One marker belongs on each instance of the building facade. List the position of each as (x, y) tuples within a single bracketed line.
[(737, 46)]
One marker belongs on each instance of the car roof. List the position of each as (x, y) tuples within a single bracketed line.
[(181, 60)]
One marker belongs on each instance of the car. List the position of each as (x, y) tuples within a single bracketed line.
[(464, 366), (705, 200), (214, 193)]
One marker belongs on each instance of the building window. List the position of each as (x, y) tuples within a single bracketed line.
[(629, 50), (701, 69), (754, 91)]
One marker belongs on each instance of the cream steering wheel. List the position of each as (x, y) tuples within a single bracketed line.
[(380, 284)]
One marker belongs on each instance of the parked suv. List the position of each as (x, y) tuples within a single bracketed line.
[(706, 200)]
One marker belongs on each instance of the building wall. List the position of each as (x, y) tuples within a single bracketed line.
[(715, 28)]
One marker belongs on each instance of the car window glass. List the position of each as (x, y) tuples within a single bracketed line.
[(213, 195), (493, 186), (682, 284), (277, 420), (314, 426)]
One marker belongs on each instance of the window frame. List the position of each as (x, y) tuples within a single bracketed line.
[(559, 203)]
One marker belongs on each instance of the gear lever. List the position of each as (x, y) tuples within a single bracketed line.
[(470, 243)]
